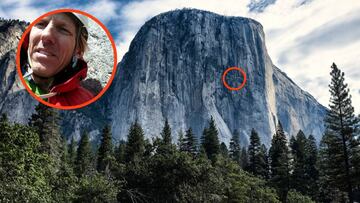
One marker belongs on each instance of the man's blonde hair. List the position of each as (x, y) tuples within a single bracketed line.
[(81, 34)]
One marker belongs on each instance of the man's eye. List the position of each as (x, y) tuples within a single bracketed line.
[(64, 30), (40, 25)]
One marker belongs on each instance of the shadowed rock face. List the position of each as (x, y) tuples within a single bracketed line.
[(14, 99), (173, 70)]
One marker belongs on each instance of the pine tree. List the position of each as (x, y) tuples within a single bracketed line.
[(64, 151), (312, 173), (135, 146), (84, 156), (64, 184), (72, 152), (4, 119), (328, 170), (150, 147), (356, 158), (181, 141), (120, 152), (235, 149), (165, 146), (257, 156), (244, 159), (304, 176), (166, 133), (202, 154), (264, 156), (210, 140), (341, 124), (223, 150), (279, 163), (190, 142), (45, 122), (299, 176), (105, 152)]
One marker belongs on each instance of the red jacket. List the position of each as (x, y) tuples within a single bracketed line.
[(70, 92)]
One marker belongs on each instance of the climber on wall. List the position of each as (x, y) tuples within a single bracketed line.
[(52, 59)]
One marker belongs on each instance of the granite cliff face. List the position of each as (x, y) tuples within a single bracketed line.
[(173, 70), (15, 101)]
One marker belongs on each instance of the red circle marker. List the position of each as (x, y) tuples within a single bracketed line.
[(227, 85), (112, 44)]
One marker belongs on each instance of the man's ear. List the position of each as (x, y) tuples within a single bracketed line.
[(78, 53)]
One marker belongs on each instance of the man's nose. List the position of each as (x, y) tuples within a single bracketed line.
[(47, 34)]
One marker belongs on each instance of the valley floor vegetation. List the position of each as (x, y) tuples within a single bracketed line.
[(37, 163)]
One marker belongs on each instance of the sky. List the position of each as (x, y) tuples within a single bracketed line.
[(303, 37)]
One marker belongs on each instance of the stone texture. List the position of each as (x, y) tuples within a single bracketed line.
[(14, 99), (173, 70), (100, 56)]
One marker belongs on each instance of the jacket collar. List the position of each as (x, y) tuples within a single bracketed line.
[(70, 83)]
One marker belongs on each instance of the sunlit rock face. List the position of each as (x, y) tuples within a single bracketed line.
[(173, 70)]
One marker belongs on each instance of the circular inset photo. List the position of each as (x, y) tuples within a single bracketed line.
[(66, 59)]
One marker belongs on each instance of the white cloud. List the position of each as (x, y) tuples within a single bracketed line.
[(286, 24), (104, 10), (17, 9)]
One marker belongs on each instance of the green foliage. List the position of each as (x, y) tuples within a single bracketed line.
[(311, 170), (45, 122), (298, 176), (22, 167), (340, 139), (244, 159), (72, 152), (210, 140), (181, 141), (166, 133), (120, 152), (235, 149), (329, 170), (189, 144), (257, 156), (96, 188), (294, 196), (135, 146), (279, 163), (64, 184), (245, 188), (304, 177), (105, 152), (236, 185), (223, 150), (84, 156), (164, 144)]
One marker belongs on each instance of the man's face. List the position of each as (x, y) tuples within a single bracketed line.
[(51, 44)]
